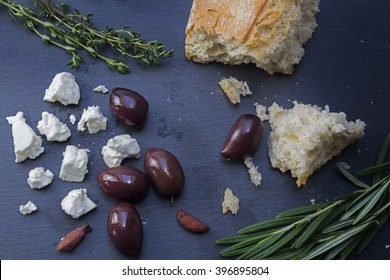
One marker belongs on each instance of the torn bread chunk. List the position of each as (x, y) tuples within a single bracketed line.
[(304, 138), (234, 89), (268, 33), (230, 202), (254, 174)]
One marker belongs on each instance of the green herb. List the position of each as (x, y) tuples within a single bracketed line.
[(72, 32), (331, 230)]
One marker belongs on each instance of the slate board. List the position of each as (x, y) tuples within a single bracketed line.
[(345, 66)]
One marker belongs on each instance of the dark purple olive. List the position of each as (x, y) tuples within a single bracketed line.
[(165, 171), (124, 182), (128, 106), (243, 137), (125, 229)]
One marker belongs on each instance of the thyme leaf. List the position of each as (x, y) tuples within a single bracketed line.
[(71, 31)]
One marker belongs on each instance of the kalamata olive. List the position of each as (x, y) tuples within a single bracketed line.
[(243, 138), (125, 229), (165, 171), (128, 106), (124, 182)]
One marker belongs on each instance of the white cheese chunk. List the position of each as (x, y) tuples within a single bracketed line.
[(53, 128), (76, 203), (72, 119), (119, 148), (74, 164), (27, 208), (26, 143), (101, 89), (63, 89), (94, 119), (38, 178), (230, 202)]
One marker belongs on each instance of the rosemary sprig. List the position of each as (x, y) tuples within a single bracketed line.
[(331, 230), (73, 31)]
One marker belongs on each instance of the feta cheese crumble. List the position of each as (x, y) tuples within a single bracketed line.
[(27, 208), (53, 128), (74, 164), (26, 143), (76, 203), (119, 148), (101, 89), (38, 178), (72, 119), (94, 119), (63, 89)]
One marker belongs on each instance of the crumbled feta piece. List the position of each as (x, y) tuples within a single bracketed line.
[(76, 203), (119, 148), (254, 174), (53, 128), (94, 120), (63, 89), (27, 208), (26, 143), (38, 178), (230, 202), (72, 119), (74, 164), (101, 89)]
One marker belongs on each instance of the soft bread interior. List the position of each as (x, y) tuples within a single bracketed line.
[(273, 41)]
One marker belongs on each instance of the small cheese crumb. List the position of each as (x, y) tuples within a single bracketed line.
[(230, 202), (234, 88), (63, 89), (254, 174), (101, 89), (261, 112), (119, 148), (72, 119), (76, 203), (74, 164), (312, 201), (27, 208), (26, 143), (53, 128), (38, 178), (94, 120), (387, 246)]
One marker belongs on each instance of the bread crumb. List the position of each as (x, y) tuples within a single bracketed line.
[(261, 112), (230, 202), (254, 174), (234, 88)]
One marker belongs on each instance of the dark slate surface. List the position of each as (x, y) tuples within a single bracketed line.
[(345, 66)]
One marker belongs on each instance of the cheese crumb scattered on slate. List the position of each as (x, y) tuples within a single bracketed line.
[(101, 89), (27, 208)]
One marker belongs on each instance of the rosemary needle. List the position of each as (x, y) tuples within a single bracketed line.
[(73, 31), (331, 230)]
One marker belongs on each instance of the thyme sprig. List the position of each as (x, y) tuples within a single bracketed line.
[(73, 31), (331, 230)]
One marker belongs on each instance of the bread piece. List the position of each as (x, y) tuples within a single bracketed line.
[(234, 88), (230, 202), (253, 171), (269, 33), (305, 137)]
